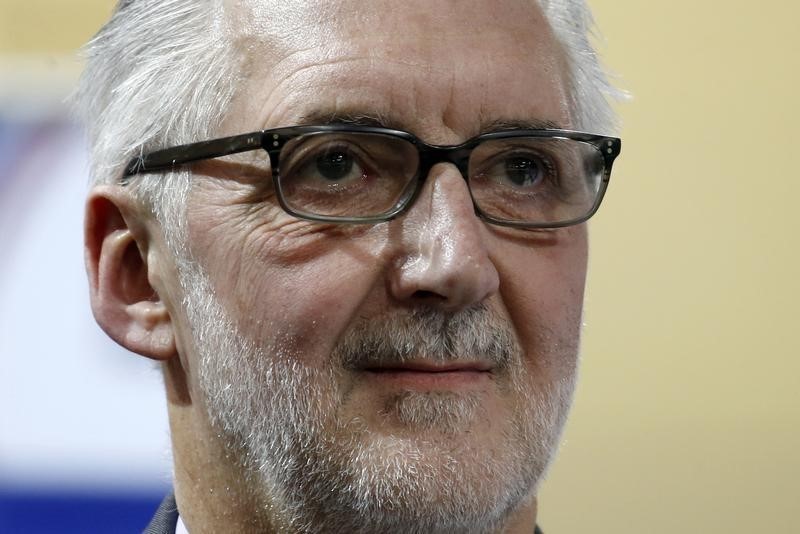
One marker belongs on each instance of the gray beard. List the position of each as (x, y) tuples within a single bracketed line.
[(314, 470)]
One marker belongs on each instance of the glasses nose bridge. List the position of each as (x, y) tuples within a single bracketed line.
[(457, 155)]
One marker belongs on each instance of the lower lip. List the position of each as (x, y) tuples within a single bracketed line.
[(442, 380)]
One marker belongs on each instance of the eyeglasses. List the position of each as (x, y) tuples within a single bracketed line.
[(363, 174)]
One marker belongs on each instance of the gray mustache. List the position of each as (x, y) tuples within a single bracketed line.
[(430, 335)]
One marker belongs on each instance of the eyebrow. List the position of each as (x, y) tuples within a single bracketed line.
[(380, 120), (513, 124)]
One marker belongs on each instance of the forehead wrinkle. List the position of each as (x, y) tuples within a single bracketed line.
[(291, 86)]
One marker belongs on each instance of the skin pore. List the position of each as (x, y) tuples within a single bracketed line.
[(282, 413)]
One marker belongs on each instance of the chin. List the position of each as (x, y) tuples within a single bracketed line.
[(455, 469)]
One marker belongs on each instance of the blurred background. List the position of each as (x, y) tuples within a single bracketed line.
[(687, 417), (84, 445)]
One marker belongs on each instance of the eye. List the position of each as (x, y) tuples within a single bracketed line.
[(334, 165), (329, 166), (523, 171)]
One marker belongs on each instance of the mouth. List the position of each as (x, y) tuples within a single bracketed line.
[(426, 375)]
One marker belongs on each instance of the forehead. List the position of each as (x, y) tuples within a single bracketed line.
[(441, 69)]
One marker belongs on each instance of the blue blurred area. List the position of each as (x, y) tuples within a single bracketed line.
[(64, 512)]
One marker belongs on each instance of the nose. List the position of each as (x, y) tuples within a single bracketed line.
[(442, 258)]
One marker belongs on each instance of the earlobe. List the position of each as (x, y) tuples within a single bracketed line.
[(150, 330), (125, 304)]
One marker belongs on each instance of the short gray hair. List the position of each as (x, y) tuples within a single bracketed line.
[(163, 72), (590, 89), (159, 73)]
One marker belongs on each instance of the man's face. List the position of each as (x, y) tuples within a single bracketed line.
[(417, 369)]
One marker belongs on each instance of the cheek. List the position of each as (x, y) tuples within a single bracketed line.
[(542, 288), (301, 309), (290, 285)]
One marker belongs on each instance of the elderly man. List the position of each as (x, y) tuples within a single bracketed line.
[(353, 234)]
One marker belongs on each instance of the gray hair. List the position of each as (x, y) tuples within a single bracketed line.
[(590, 89), (163, 72), (159, 73)]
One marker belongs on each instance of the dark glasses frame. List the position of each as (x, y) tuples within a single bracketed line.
[(273, 140)]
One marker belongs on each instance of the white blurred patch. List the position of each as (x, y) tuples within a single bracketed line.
[(75, 408)]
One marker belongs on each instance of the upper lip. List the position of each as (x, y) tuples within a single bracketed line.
[(427, 366)]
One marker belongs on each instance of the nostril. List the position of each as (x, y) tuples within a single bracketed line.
[(422, 294)]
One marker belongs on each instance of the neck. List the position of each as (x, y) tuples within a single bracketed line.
[(523, 519), (209, 498)]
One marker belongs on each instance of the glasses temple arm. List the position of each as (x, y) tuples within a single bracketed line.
[(168, 158)]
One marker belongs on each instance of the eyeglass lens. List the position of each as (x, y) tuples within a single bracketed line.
[(348, 174), (515, 179), (535, 179)]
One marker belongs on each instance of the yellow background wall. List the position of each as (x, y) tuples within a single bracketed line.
[(688, 413), (687, 418), (49, 26)]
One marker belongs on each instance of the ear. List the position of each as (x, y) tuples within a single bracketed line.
[(125, 304)]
